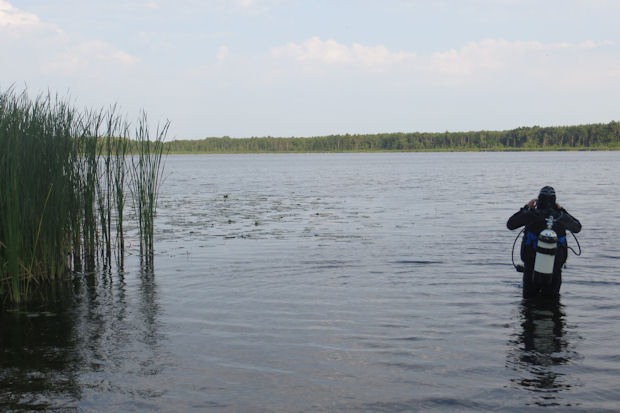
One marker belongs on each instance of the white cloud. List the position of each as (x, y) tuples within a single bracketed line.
[(330, 52), (222, 54), (502, 56), (41, 48), (10, 16), (475, 60), (151, 5), (315, 49), (88, 57), (248, 7)]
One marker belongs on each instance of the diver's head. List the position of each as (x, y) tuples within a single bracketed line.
[(546, 198)]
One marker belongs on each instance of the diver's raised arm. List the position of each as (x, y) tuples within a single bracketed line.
[(521, 217), (570, 222)]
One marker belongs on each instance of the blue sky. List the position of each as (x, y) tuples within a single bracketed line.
[(245, 68)]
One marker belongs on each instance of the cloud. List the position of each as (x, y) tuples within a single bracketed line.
[(244, 7), (41, 48), (10, 16), (315, 49), (533, 60), (476, 61), (151, 5), (87, 57), (222, 54), (330, 52)]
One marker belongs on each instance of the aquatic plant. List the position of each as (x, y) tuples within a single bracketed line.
[(35, 153), (63, 186), (121, 150), (146, 179)]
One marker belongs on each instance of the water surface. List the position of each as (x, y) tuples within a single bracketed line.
[(336, 282)]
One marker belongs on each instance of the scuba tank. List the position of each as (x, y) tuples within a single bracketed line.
[(545, 254), (550, 236)]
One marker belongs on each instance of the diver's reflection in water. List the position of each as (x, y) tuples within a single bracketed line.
[(539, 349)]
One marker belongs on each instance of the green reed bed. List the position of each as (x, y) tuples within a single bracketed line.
[(64, 180)]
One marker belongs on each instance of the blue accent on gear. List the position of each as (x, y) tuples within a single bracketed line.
[(531, 239)]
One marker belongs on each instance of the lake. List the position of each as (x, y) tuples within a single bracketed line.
[(337, 282)]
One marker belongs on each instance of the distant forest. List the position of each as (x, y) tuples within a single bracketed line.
[(582, 137)]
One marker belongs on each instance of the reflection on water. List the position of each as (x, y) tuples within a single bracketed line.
[(348, 282), (92, 342), (539, 349), (39, 360)]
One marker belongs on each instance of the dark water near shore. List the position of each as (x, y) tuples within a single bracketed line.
[(341, 282)]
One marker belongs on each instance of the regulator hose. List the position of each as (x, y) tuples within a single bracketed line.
[(579, 246), (519, 267)]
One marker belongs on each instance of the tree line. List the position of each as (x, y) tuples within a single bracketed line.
[(591, 136)]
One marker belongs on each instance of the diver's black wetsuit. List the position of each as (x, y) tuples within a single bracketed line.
[(534, 221)]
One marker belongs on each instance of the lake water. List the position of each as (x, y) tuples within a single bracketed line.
[(337, 282)]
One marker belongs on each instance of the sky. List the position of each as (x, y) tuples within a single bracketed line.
[(245, 68)]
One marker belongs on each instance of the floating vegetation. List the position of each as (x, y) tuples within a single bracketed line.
[(64, 180)]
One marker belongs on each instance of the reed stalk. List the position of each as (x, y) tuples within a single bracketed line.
[(120, 174)]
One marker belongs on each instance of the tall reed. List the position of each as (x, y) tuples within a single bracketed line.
[(63, 186), (146, 179), (121, 150)]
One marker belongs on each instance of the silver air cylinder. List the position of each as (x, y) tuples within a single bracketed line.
[(545, 256)]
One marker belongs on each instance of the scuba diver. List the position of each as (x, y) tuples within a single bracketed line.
[(543, 249)]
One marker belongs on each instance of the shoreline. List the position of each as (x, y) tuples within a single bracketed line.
[(568, 149)]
